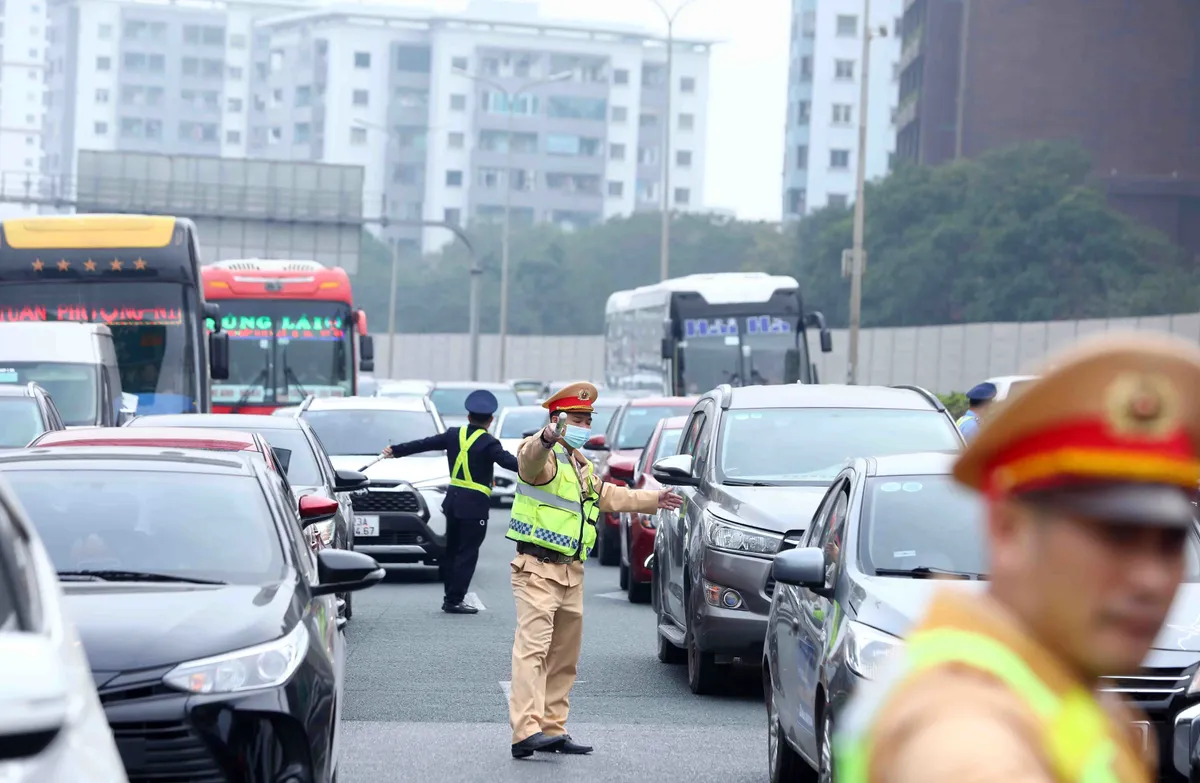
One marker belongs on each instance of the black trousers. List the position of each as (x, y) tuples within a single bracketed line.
[(463, 539)]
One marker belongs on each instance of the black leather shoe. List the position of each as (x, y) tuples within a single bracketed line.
[(525, 748), (459, 608), (568, 746)]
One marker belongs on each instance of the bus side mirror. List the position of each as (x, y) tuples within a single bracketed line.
[(218, 356), (668, 348), (791, 366), (816, 319), (213, 310), (366, 348), (826, 341)]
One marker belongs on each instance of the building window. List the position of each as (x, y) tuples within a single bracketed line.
[(620, 76), (801, 156), (233, 137), (847, 26), (616, 189), (683, 196), (616, 151), (687, 122), (578, 108), (620, 114), (358, 136), (895, 114), (233, 105), (806, 69), (105, 32), (406, 174), (100, 128), (360, 98), (843, 69), (838, 200), (839, 159), (456, 140), (895, 72), (842, 113), (362, 59), (237, 41), (103, 63), (458, 102), (683, 158), (101, 95), (687, 84), (459, 63), (303, 95), (301, 133), (454, 178), (235, 73), (489, 178), (452, 215), (803, 112), (276, 135)]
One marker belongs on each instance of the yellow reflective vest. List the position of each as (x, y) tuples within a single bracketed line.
[(558, 515)]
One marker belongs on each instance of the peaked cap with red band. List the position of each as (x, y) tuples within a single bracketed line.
[(1118, 410), (574, 398)]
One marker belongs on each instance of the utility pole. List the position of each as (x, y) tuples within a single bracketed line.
[(392, 305), (476, 273)]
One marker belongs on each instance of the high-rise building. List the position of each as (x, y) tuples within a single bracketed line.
[(824, 95), (22, 67), (455, 116), (1119, 78)]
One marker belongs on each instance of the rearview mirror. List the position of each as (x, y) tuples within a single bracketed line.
[(350, 481), (800, 568), (366, 348), (218, 356), (597, 443), (675, 471), (343, 571), (315, 508), (34, 703)]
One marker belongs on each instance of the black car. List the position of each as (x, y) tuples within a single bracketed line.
[(849, 588), (753, 464), (210, 626), (309, 470), (26, 411)]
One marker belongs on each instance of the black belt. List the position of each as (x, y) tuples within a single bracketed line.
[(543, 554)]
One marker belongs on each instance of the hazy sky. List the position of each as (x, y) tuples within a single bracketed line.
[(748, 86)]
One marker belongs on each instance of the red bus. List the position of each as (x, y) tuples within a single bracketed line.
[(291, 327)]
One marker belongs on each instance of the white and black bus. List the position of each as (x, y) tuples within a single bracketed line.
[(690, 334)]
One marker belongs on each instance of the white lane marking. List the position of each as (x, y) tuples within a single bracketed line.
[(471, 599), (619, 595)]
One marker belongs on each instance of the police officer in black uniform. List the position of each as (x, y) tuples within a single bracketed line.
[(468, 499)]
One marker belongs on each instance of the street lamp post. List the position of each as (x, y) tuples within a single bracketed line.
[(509, 97), (664, 253), (857, 262)]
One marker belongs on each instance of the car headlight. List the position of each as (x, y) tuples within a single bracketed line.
[(261, 666), (869, 650), (735, 538)]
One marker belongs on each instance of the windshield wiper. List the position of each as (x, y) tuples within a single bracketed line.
[(288, 372), (133, 576), (739, 483), (927, 571), (260, 380)]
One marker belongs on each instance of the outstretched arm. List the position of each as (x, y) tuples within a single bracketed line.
[(432, 443)]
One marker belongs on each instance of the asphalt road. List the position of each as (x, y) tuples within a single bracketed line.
[(426, 696)]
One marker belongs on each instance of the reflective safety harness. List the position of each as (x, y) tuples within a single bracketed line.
[(963, 419), (1075, 729), (461, 475), (557, 515)]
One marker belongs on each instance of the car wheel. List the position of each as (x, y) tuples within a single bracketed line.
[(825, 772), (702, 668), (624, 576), (784, 764), (610, 548), (348, 611)]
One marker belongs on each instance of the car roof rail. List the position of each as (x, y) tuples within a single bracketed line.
[(929, 396), (304, 405), (724, 395)]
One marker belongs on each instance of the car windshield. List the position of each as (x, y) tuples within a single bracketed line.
[(345, 432), (517, 423), (453, 401), (20, 422), (811, 445), (921, 521), (638, 423), (73, 387), (190, 525)]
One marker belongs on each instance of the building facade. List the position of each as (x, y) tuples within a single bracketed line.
[(23, 41), (824, 95)]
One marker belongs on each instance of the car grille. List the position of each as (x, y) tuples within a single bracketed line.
[(165, 752), (142, 690), (1151, 689), (404, 501), (769, 588)]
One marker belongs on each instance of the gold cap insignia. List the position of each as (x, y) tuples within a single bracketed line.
[(585, 395), (1142, 404)]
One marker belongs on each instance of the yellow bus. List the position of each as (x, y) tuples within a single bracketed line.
[(137, 274)]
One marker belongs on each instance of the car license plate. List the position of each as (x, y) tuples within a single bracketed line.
[(366, 526), (1142, 730)]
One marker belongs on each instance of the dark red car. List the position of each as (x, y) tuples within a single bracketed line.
[(618, 449), (638, 530)]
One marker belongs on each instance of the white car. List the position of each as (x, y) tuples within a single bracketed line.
[(1007, 384), (513, 426), (399, 518), (52, 727)]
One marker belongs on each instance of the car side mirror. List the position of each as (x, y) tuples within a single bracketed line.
[(597, 443), (801, 568), (343, 571), (218, 356), (621, 470), (315, 508), (675, 471), (34, 700), (350, 481)]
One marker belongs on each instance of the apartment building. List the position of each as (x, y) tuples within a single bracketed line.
[(456, 117), (824, 94), (22, 69)]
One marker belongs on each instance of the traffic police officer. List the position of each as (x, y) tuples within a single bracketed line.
[(472, 453), (557, 502), (1088, 477), (979, 397)]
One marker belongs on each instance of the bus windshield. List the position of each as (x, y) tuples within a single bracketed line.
[(741, 352), (282, 350), (155, 349)]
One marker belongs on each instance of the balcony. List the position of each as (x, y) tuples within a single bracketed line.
[(907, 111)]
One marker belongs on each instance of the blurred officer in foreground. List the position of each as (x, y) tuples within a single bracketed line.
[(978, 398), (473, 454), (1088, 476), (554, 514)]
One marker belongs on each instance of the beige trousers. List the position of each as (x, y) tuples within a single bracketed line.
[(545, 649)]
